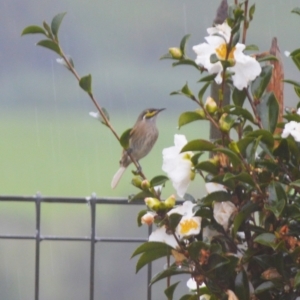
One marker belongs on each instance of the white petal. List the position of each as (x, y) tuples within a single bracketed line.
[(287, 53), (160, 235), (214, 187), (95, 115)]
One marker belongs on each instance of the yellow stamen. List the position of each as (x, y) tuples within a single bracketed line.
[(187, 225), (221, 52)]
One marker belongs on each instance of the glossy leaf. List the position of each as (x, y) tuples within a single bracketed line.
[(140, 196), (277, 199), (265, 286), (238, 97), (233, 157), (171, 271), (267, 58), (266, 239), (252, 48), (282, 150), (295, 183), (183, 42), (251, 14), (169, 292), (50, 45), (85, 83), (55, 24), (150, 251), (295, 83), (158, 180), (242, 285), (198, 145), (209, 78), (174, 220), (187, 62), (242, 177), (184, 91), (202, 92), (124, 138), (33, 29), (140, 215), (188, 117), (106, 115), (218, 196), (297, 280), (238, 111), (208, 167), (244, 143), (268, 110), (189, 297), (266, 137), (296, 10), (261, 82)]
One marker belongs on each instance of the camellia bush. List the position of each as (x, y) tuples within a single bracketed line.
[(241, 239)]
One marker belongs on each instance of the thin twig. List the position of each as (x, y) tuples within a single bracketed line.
[(245, 27)]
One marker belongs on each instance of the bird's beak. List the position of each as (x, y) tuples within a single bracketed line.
[(159, 110)]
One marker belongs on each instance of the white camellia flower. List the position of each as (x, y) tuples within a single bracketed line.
[(244, 67), (292, 128), (223, 212), (192, 285), (189, 223), (178, 166), (161, 235)]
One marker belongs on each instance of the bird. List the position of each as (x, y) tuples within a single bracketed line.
[(142, 138)]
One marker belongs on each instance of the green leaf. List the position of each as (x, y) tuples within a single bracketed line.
[(166, 56), (198, 145), (294, 83), (48, 30), (174, 220), (266, 137), (140, 196), (251, 14), (244, 143), (189, 297), (171, 271), (124, 138), (238, 111), (265, 286), (202, 92), (183, 43), (140, 215), (267, 58), (238, 97), (216, 261), (32, 29), (189, 117), (158, 180), (50, 45), (184, 91), (56, 21), (242, 177), (261, 82), (295, 55), (218, 196), (297, 280), (266, 239), (208, 167), (233, 157), (277, 199), (106, 115), (209, 77), (85, 83), (296, 10), (169, 292), (185, 61), (268, 110), (242, 285), (252, 48), (150, 251), (295, 183), (195, 248)]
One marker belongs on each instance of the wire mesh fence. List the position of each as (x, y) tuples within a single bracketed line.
[(92, 238)]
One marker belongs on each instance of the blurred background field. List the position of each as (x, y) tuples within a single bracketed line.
[(49, 143)]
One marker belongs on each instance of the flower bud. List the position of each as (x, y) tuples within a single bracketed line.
[(170, 202), (225, 123), (136, 181), (215, 160), (211, 105), (153, 203), (145, 184), (175, 52), (148, 218)]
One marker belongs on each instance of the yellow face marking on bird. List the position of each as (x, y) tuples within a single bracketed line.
[(150, 113)]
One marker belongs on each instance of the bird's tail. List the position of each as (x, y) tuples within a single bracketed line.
[(117, 177)]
